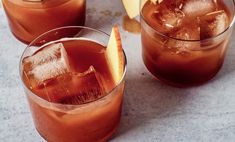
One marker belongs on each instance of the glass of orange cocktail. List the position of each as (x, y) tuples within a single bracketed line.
[(30, 18), (74, 81), (184, 42)]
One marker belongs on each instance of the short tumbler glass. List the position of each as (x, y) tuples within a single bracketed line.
[(190, 66), (94, 121), (30, 18)]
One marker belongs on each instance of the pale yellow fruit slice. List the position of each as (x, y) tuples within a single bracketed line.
[(133, 7), (114, 55)]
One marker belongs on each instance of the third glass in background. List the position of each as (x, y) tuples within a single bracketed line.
[(184, 42), (30, 18)]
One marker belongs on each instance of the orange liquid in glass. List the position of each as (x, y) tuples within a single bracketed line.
[(28, 19), (167, 56), (91, 122)]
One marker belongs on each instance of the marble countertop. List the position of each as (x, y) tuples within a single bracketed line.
[(152, 111)]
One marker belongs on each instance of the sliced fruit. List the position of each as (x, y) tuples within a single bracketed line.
[(156, 1), (133, 7), (114, 55)]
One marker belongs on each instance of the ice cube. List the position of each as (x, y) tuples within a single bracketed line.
[(213, 24), (48, 62), (188, 32), (74, 88), (168, 18), (196, 8), (180, 41)]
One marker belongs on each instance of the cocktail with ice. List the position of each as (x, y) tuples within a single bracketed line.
[(184, 41), (30, 18), (74, 84)]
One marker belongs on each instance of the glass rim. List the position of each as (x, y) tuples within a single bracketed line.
[(199, 40), (69, 105)]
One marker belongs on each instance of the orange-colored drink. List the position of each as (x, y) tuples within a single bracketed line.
[(30, 18), (71, 90), (184, 41)]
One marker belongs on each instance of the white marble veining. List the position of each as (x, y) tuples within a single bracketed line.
[(152, 111)]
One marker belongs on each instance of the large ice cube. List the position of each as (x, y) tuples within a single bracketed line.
[(182, 39), (190, 31), (48, 62), (168, 18), (195, 8), (213, 24), (73, 88)]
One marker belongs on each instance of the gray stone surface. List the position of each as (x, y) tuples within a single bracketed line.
[(152, 111)]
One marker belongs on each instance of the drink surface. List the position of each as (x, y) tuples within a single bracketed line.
[(28, 19), (184, 41), (188, 19), (72, 72), (86, 68)]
